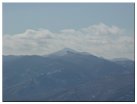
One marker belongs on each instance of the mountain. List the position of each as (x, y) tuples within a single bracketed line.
[(126, 63), (121, 59), (66, 75), (64, 52)]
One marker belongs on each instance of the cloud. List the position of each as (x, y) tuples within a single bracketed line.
[(99, 39)]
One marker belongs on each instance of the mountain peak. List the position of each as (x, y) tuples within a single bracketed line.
[(68, 50), (64, 51)]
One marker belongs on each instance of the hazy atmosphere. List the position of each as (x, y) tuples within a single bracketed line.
[(105, 30), (68, 52)]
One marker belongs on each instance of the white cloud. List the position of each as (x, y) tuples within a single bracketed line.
[(99, 39)]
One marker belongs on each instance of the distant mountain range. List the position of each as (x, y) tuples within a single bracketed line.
[(67, 75)]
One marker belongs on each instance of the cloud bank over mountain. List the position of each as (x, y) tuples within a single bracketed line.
[(98, 39)]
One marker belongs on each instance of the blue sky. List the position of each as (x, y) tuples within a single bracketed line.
[(19, 17), (105, 30)]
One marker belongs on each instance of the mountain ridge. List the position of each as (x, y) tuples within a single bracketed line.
[(70, 77), (65, 51)]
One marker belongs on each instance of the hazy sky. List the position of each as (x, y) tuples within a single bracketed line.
[(19, 17), (105, 30)]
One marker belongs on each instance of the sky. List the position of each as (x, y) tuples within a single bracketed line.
[(104, 29)]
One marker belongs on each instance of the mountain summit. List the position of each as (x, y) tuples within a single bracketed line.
[(64, 52)]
